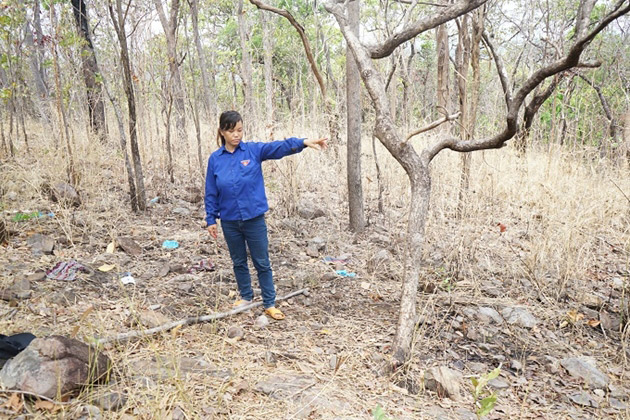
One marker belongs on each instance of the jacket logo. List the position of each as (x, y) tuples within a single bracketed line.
[(245, 162)]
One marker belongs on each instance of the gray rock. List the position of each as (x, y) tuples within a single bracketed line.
[(39, 275), (261, 322), (12, 196), (617, 283), (54, 366), (64, 193), (185, 287), (130, 246), (498, 383), (151, 319), (41, 244), (585, 368), (21, 285), (182, 211), (516, 365), (444, 381), (178, 414), (309, 210), (616, 404), (519, 316), (618, 392), (90, 412), (382, 258), (584, 399), (235, 332), (486, 314), (112, 401)]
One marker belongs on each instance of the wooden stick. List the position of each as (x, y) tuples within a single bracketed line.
[(186, 321), (434, 124)]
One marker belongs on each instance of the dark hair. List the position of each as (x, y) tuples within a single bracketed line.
[(227, 121)]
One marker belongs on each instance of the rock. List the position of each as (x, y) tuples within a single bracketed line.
[(303, 390), (112, 401), (592, 301), (599, 392), (151, 319), (39, 275), (519, 316), (617, 283), (498, 383), (235, 332), (185, 287), (90, 412), (21, 285), (41, 244), (610, 322), (382, 258), (270, 358), (618, 392), (584, 399), (12, 196), (516, 365), (308, 210), (63, 193), (444, 381), (183, 278), (54, 366), (585, 368), (261, 322), (616, 404), (314, 246), (178, 414), (164, 270), (130, 246), (486, 314), (182, 211)]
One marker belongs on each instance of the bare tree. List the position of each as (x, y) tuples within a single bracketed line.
[(417, 165), (208, 98), (246, 62), (353, 112), (118, 20), (93, 86), (267, 26)]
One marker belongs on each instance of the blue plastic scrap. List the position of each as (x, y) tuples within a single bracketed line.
[(170, 245), (345, 273)]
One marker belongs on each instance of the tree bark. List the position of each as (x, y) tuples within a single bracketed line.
[(93, 86), (208, 98), (118, 20), (443, 94), (177, 91), (267, 26), (246, 64), (353, 113)]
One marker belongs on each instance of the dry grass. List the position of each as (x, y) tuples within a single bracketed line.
[(567, 235)]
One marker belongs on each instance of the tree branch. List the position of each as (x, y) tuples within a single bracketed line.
[(571, 59), (434, 124), (386, 47), (187, 321), (307, 46), (503, 77)]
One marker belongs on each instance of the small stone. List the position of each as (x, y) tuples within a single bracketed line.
[(112, 401), (178, 414), (516, 365), (41, 244), (599, 392), (381, 258), (585, 368), (592, 301), (235, 332), (92, 412), (185, 287), (486, 314), (182, 211), (21, 285), (39, 275), (616, 404), (610, 322), (584, 399), (309, 210), (151, 319), (617, 283), (332, 362), (519, 316), (63, 193), (618, 392), (261, 322), (12, 196), (498, 383), (270, 358), (444, 381), (130, 246)]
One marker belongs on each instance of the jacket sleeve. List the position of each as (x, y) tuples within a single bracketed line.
[(281, 148), (212, 195)]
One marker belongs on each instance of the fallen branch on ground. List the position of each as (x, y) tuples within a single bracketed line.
[(187, 321)]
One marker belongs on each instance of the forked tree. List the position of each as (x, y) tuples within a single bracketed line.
[(417, 164)]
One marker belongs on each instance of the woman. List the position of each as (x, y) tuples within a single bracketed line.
[(235, 193)]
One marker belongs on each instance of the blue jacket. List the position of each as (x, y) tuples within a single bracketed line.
[(235, 189)]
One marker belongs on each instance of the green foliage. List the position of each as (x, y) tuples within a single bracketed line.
[(484, 405), (379, 414)]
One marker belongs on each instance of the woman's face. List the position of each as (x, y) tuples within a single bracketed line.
[(233, 136)]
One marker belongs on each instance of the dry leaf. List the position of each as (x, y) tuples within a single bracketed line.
[(15, 403), (47, 405), (106, 267), (110, 248), (574, 316), (594, 323), (176, 331), (324, 331), (84, 315)]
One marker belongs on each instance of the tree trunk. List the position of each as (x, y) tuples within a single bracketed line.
[(176, 87), (119, 25), (353, 109), (94, 88), (208, 98), (267, 26), (246, 64), (462, 61), (443, 95)]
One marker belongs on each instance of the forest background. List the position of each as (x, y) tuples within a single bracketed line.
[(120, 100)]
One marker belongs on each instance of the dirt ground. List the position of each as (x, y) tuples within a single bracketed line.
[(327, 358)]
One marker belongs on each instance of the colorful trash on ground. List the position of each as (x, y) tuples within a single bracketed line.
[(21, 217), (203, 265), (66, 271), (127, 278), (170, 245), (345, 273)]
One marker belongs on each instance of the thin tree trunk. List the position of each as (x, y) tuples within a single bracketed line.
[(208, 98), (443, 95), (169, 152), (267, 26), (379, 180), (462, 60), (119, 25), (353, 113), (246, 64)]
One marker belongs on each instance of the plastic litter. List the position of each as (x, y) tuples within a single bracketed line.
[(170, 245), (345, 273), (21, 217), (154, 200), (127, 278), (203, 265), (66, 271), (332, 260)]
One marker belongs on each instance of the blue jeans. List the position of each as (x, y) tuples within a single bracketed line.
[(252, 234)]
